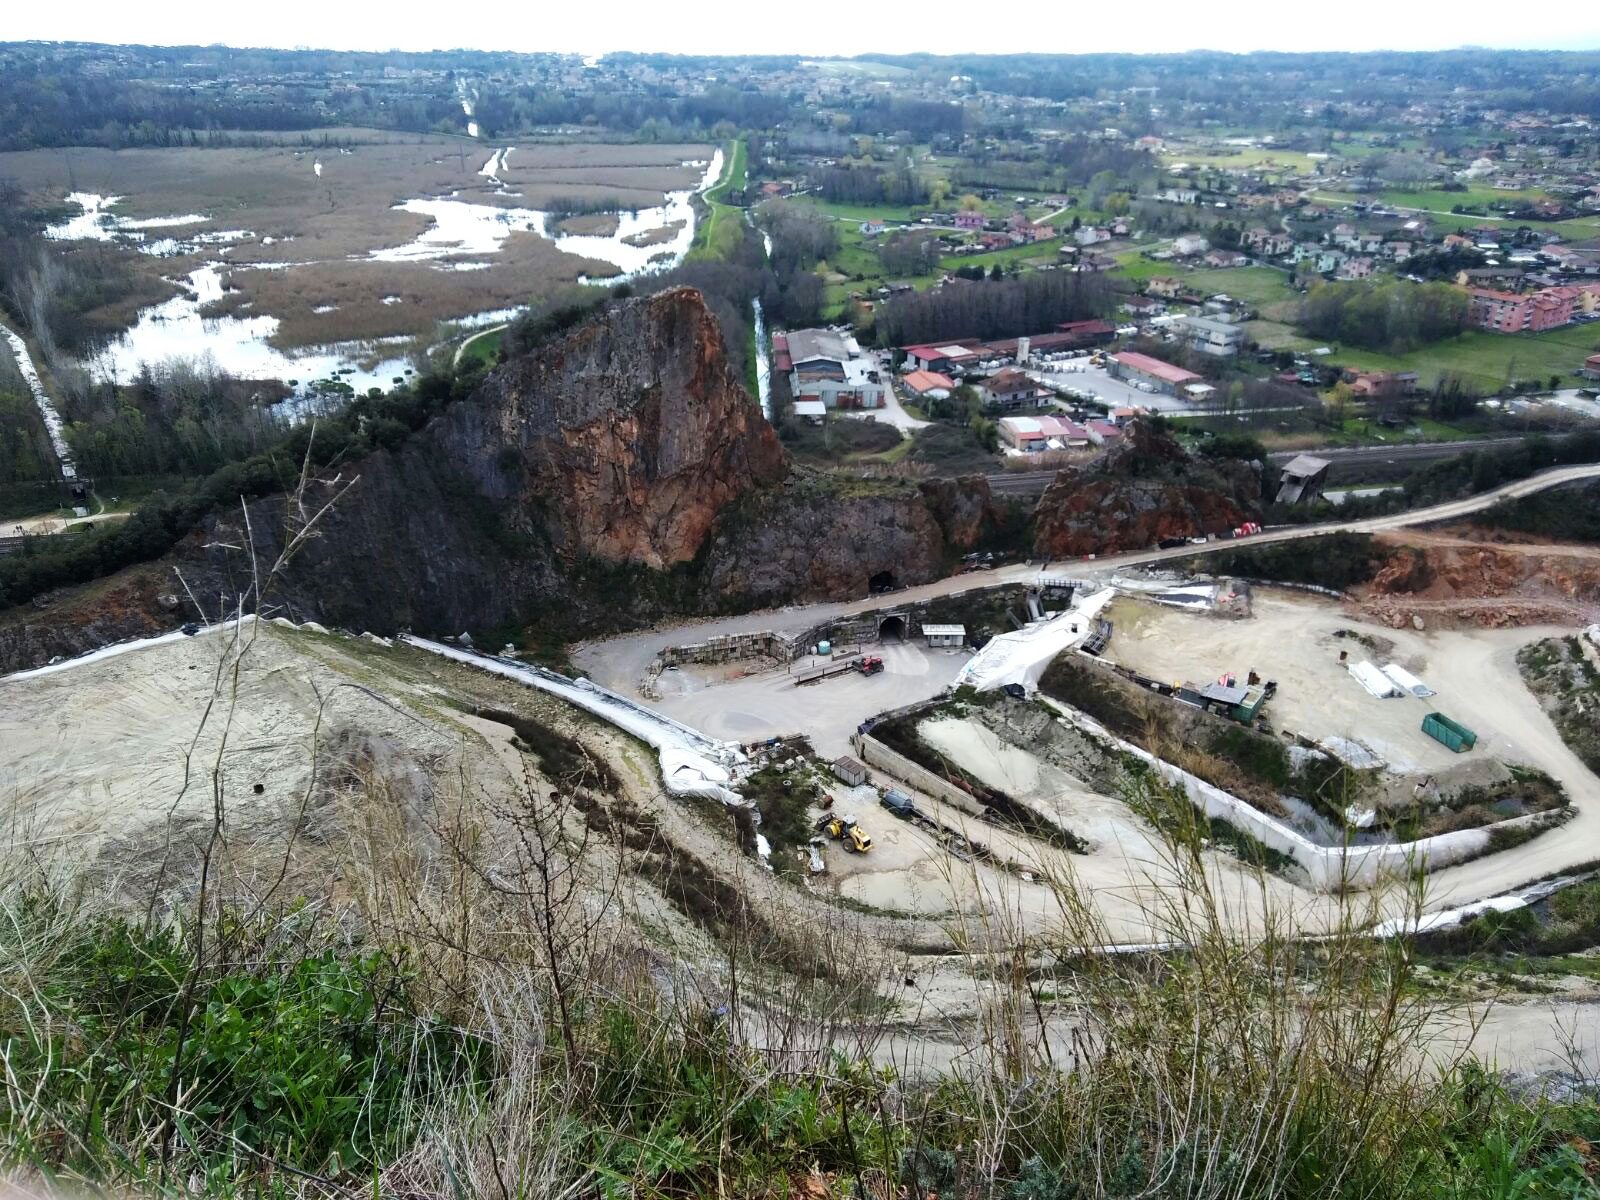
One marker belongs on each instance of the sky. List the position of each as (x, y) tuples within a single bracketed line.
[(754, 27)]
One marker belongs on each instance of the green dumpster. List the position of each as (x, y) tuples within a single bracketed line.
[(1452, 733)]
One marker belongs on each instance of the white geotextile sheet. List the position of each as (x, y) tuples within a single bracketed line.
[(692, 764), (1022, 655)]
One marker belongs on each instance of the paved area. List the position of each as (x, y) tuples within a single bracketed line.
[(1112, 392)]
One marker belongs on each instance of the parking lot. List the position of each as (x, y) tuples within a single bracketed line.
[(1112, 392)]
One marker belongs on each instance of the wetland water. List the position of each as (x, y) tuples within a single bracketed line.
[(462, 235)]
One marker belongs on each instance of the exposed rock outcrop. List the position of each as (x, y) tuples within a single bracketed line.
[(619, 474), (1463, 576), (1141, 491), (621, 442), (819, 537)]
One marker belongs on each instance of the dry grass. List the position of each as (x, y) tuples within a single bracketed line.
[(526, 266), (587, 224), (653, 237), (333, 222)]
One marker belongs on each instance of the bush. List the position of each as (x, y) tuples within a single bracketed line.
[(320, 1060)]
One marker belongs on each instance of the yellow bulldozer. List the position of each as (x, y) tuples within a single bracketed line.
[(845, 829)]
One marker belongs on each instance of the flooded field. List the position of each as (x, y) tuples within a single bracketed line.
[(308, 265)]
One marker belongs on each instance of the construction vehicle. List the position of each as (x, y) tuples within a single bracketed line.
[(870, 665), (844, 829)]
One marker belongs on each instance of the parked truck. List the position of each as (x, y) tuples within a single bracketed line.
[(1451, 733)]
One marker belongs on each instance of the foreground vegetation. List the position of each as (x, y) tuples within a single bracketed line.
[(299, 1050)]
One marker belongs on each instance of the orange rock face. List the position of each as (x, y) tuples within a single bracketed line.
[(1146, 489)]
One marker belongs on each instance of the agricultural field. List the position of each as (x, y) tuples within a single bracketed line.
[(1259, 286), (1487, 361)]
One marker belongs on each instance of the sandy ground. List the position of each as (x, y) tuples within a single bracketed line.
[(1290, 638), (771, 704), (101, 754)]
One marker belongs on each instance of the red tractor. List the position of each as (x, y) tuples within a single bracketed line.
[(870, 665)]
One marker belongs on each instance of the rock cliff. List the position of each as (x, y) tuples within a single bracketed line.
[(1143, 490), (619, 474), (621, 442), (820, 537)]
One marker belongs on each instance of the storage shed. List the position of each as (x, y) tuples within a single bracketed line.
[(945, 637), (850, 770)]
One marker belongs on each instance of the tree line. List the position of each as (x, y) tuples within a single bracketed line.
[(871, 185), (1391, 315), (1009, 307)]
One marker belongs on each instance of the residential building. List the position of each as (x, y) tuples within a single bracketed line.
[(1225, 258), (1143, 306), (1009, 389), (1356, 268), (1525, 312), (1089, 235), (1178, 195), (1591, 367), (1382, 384), (872, 227), (1268, 243), (1141, 368), (929, 385), (1189, 245), (1223, 339), (970, 221), (1164, 286)]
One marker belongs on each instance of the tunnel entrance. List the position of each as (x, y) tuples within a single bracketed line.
[(883, 581), (892, 629)]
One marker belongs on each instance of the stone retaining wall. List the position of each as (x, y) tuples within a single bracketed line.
[(875, 754)]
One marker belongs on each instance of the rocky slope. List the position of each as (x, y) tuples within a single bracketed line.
[(1143, 490), (1464, 576), (819, 538), (618, 475)]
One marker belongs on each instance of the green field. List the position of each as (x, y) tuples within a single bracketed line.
[(480, 347), (1267, 161), (1258, 286), (718, 233), (1040, 252), (1486, 360), (1437, 207), (859, 212)]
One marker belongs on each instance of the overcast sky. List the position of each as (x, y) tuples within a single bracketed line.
[(751, 27)]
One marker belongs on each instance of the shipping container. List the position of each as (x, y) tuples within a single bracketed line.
[(1453, 734)]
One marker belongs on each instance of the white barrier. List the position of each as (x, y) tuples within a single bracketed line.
[(1329, 867)]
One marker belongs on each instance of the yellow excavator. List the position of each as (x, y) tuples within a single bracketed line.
[(845, 829)]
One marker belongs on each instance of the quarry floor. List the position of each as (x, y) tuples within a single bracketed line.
[(92, 758)]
